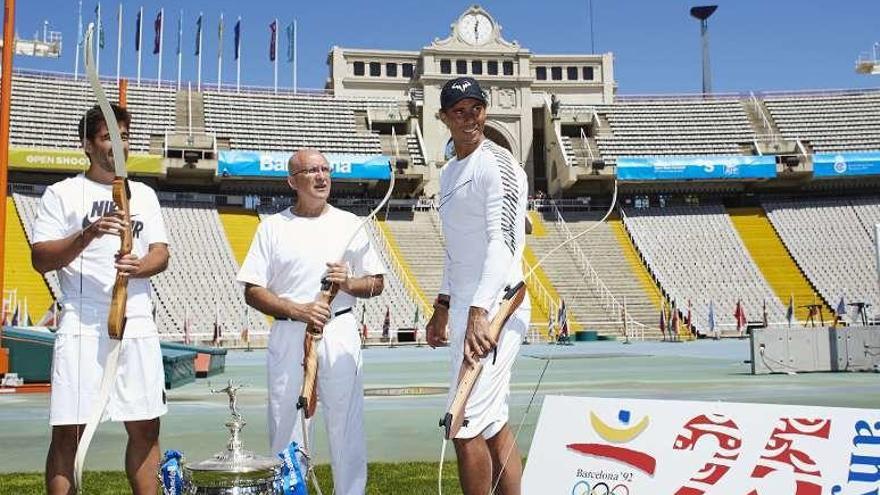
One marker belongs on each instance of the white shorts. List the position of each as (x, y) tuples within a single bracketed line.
[(486, 411), (77, 369)]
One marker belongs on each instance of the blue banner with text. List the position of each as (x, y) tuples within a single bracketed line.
[(846, 164), (704, 167), (274, 164)]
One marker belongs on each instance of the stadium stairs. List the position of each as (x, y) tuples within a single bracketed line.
[(603, 251), (774, 260), (543, 295), (636, 264), (18, 272), (418, 243), (410, 280)]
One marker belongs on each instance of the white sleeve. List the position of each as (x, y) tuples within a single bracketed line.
[(444, 282), (154, 224), (500, 207), (255, 269), (363, 256), (50, 224)]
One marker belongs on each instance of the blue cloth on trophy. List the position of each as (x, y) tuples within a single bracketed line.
[(292, 479), (172, 475)]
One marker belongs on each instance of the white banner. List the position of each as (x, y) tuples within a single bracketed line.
[(594, 446)]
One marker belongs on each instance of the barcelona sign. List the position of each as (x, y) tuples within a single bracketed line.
[(593, 446)]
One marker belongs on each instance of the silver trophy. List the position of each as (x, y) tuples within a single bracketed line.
[(234, 471)]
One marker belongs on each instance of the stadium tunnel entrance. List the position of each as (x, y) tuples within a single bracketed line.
[(497, 137)]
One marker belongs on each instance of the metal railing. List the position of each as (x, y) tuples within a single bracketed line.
[(395, 265), (595, 283)]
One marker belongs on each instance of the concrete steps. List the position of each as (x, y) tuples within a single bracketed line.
[(18, 273), (774, 260)]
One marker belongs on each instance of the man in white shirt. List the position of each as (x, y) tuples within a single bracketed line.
[(483, 199), (290, 255), (77, 232)]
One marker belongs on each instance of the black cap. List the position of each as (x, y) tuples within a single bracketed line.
[(458, 89)]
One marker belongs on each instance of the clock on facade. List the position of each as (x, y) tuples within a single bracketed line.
[(475, 28)]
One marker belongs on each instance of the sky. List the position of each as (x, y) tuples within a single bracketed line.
[(756, 45)]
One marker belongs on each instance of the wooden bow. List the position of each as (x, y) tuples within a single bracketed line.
[(116, 316), (468, 374)]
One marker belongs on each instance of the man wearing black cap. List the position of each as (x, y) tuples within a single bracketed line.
[(483, 198)]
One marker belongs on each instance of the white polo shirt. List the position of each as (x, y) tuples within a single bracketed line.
[(87, 283)]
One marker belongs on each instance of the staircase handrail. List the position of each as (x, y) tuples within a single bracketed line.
[(395, 265)]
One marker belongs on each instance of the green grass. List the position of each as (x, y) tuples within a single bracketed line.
[(382, 479)]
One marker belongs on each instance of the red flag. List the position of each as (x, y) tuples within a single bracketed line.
[(740, 315)]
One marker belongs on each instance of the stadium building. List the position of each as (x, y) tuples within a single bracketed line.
[(732, 208)]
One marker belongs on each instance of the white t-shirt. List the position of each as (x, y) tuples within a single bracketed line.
[(289, 254), (483, 201), (71, 205)]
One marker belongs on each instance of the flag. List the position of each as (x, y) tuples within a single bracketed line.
[(273, 28), (364, 330), (711, 318), (157, 27), (179, 31), (26, 314), (673, 322), (199, 34), (840, 312), (186, 330), (550, 324), (290, 41), (386, 325), (100, 26), (217, 333), (690, 321), (220, 36), (562, 319), (14, 320), (137, 33), (237, 31), (789, 312), (764, 314), (740, 315), (217, 330), (663, 319)]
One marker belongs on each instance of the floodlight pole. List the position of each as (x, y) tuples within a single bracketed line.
[(702, 14)]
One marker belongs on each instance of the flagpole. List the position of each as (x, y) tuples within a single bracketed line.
[(161, 36), (294, 56), (199, 70), (179, 48), (99, 32), (79, 38), (140, 42), (118, 43), (238, 57), (220, 52), (275, 34)]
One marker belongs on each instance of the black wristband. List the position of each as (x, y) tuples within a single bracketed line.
[(442, 301)]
